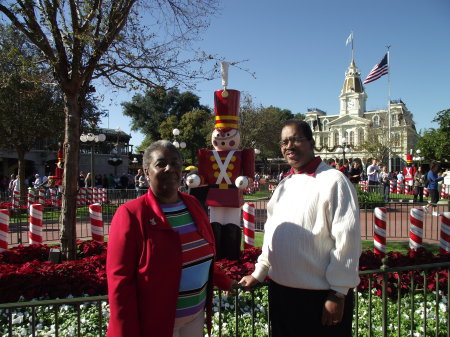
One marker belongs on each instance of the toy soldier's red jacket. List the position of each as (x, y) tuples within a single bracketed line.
[(409, 172), (219, 170)]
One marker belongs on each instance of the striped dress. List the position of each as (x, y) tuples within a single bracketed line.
[(197, 256)]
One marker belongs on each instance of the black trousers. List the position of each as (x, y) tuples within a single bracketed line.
[(298, 313)]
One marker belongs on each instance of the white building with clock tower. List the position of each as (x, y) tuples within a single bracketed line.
[(354, 126)]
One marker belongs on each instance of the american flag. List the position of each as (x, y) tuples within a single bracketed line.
[(379, 70)]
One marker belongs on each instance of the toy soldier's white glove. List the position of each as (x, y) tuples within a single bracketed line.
[(193, 180), (241, 182)]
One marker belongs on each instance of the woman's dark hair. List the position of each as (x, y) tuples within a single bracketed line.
[(300, 125), (160, 144), (434, 164)]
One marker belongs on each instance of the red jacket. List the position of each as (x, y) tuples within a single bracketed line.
[(143, 268)]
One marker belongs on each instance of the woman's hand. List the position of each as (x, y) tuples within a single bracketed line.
[(232, 290), (248, 282)]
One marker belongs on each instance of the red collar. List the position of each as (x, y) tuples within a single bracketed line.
[(309, 169)]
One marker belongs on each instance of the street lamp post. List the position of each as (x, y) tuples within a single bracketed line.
[(92, 139), (115, 159), (343, 148), (177, 144), (418, 158)]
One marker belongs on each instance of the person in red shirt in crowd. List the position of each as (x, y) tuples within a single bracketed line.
[(344, 169)]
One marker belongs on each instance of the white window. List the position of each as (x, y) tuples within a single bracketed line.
[(376, 120), (360, 136)]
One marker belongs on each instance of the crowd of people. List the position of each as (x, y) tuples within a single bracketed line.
[(122, 181), (379, 178)]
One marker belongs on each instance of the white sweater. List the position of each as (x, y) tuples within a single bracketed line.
[(312, 237)]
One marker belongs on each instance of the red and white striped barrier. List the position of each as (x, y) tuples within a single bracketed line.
[(256, 185), (31, 196), (426, 193), (248, 213), (444, 192), (391, 186), (363, 185), (399, 188), (16, 199), (406, 189), (444, 241), (54, 196), (104, 196), (36, 214), (95, 213), (83, 193), (41, 198), (4, 227), (379, 230), (95, 198), (415, 228), (89, 196)]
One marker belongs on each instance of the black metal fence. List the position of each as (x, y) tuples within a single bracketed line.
[(402, 301)]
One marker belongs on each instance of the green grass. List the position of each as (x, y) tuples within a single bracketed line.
[(391, 246), (258, 195)]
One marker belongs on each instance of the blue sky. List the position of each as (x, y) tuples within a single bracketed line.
[(297, 50)]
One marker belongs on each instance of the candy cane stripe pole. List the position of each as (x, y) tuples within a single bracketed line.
[(16, 199), (443, 194), (379, 235), (445, 233), (248, 212), (53, 199), (41, 199), (391, 186), (104, 196), (90, 196), (83, 196), (31, 196), (415, 228), (425, 192), (95, 195), (36, 212), (4, 226), (95, 212)]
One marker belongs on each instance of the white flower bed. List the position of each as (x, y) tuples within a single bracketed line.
[(89, 317)]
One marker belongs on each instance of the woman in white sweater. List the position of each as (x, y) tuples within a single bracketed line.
[(312, 244)]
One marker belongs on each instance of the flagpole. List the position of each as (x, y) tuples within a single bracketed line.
[(389, 108), (353, 55)]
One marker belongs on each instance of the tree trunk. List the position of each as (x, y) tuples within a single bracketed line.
[(21, 173), (68, 234)]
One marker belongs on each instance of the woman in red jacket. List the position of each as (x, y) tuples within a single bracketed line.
[(160, 262)]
